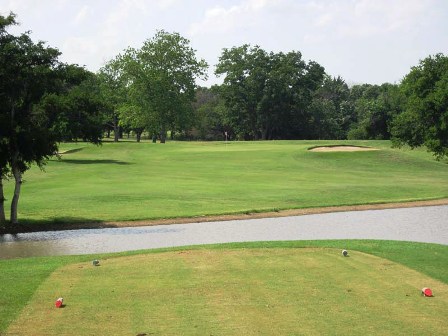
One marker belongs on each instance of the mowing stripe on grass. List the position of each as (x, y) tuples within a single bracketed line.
[(20, 278), (129, 181), (244, 291)]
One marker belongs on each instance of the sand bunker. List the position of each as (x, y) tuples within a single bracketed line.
[(341, 149)]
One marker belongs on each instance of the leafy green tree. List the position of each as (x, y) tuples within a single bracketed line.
[(113, 82), (42, 102), (27, 72), (75, 109), (246, 70), (4, 169), (330, 110), (5, 38), (162, 76), (267, 95), (309, 81), (134, 118), (284, 91), (424, 121), (210, 121), (375, 107)]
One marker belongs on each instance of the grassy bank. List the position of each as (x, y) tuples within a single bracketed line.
[(257, 288), (131, 181)]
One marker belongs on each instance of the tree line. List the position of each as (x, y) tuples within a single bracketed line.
[(152, 89), (267, 96), (280, 96)]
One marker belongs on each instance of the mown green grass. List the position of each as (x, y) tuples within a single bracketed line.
[(272, 288), (132, 181), (21, 278)]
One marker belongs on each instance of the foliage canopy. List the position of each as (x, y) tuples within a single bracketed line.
[(424, 120)]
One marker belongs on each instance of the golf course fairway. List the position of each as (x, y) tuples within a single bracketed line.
[(255, 291), (130, 181)]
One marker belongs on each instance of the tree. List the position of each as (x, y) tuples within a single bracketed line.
[(209, 116), (245, 70), (283, 95), (375, 107), (134, 118), (4, 169), (31, 80), (424, 121), (331, 111), (162, 81), (267, 95), (27, 71), (76, 108), (4, 126), (113, 87)]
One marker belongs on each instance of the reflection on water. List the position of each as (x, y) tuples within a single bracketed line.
[(85, 241), (425, 224), (71, 234)]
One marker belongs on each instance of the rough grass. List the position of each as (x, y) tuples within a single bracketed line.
[(21, 278), (134, 181), (253, 291)]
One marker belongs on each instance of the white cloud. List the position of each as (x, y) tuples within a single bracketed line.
[(219, 19), (83, 14), (167, 4), (365, 18), (76, 49), (324, 20), (361, 40)]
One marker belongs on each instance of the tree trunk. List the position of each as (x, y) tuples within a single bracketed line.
[(2, 204), (15, 200), (138, 133), (116, 129), (264, 135), (163, 135)]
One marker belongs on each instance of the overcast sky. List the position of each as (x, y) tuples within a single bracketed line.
[(363, 41)]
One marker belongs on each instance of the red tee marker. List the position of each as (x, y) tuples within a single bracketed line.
[(427, 292), (59, 302)]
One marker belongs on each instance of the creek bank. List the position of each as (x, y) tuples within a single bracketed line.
[(55, 226)]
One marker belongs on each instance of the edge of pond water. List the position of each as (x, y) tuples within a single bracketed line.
[(51, 226)]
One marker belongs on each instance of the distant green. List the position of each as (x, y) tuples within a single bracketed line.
[(132, 181)]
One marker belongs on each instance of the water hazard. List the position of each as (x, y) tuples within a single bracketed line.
[(421, 224)]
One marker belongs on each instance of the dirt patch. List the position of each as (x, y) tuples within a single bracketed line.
[(341, 149)]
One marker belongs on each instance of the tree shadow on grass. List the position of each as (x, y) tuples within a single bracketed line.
[(87, 162), (70, 151), (54, 224)]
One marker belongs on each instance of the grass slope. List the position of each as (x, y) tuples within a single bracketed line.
[(131, 181), (21, 278), (255, 291)]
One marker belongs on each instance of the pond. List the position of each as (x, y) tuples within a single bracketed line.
[(420, 224)]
